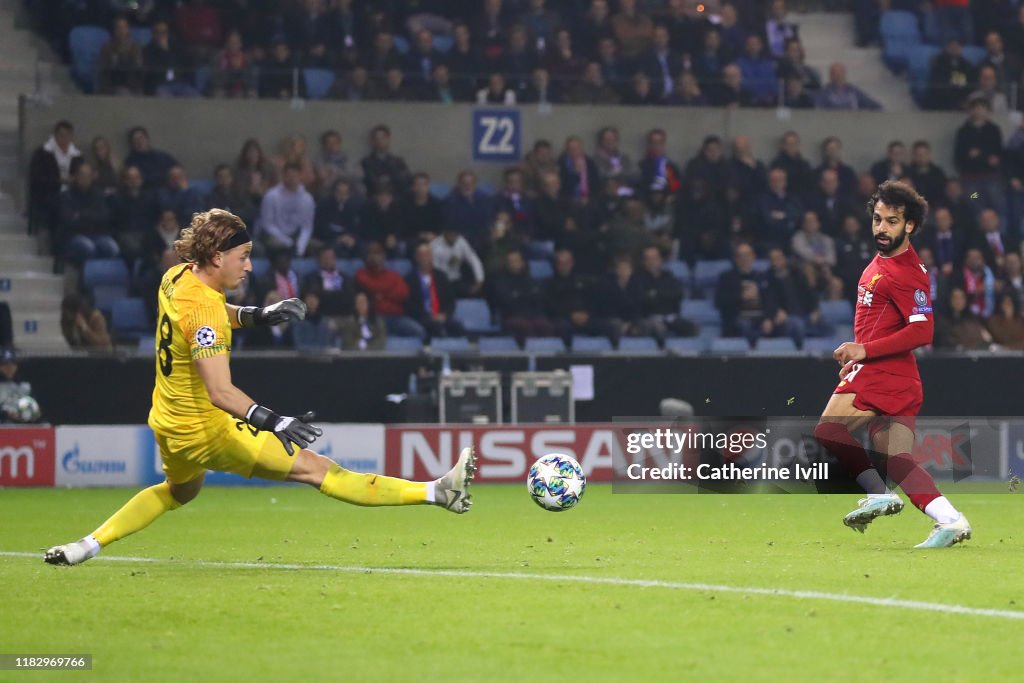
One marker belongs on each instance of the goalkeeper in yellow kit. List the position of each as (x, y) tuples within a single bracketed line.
[(202, 421)]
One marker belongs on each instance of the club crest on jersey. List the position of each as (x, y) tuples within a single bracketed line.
[(206, 337), (920, 298)]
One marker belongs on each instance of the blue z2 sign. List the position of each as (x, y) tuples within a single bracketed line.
[(496, 135)]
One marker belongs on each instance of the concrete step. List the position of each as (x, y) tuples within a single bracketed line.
[(29, 326), (14, 285), (22, 263), (18, 243), (34, 303)]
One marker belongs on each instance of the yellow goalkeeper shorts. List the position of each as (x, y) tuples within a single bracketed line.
[(227, 445)]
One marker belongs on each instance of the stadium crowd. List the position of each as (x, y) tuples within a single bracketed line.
[(669, 52), (585, 238)]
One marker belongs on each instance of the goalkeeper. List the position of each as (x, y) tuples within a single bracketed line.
[(202, 421)]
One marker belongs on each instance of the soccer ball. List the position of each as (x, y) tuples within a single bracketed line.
[(23, 409), (556, 482)]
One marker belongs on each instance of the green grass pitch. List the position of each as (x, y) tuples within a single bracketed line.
[(203, 612)]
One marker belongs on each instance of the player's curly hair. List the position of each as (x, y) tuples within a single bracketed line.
[(207, 232), (897, 194)]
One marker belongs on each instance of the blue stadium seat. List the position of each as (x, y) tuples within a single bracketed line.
[(709, 331), (143, 35), (204, 186), (762, 265), (318, 82), (544, 345), (104, 296), (202, 78), (822, 345), (541, 270), (401, 44), (488, 189), (475, 315), (638, 345), (304, 266), (497, 344), (128, 318), (443, 43), (975, 54), (349, 266), (837, 312), (900, 33), (730, 345), (680, 270), (403, 344), (776, 345), (260, 268), (85, 43), (450, 345), (440, 189), (687, 345), (585, 344), (705, 273), (147, 345), (540, 249), (919, 64), (105, 271), (402, 266), (700, 311)]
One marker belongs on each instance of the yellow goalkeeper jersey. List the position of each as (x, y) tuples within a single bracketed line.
[(192, 323)]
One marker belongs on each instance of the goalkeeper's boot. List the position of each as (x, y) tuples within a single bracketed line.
[(452, 490), (946, 535), (871, 507), (71, 553)]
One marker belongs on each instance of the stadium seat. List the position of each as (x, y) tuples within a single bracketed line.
[(349, 266), (837, 312), (450, 345), (440, 189), (709, 331), (540, 269), (401, 44), (204, 186), (585, 344), (822, 345), (318, 82), (919, 64), (975, 54), (730, 345), (761, 265), (475, 315), (701, 311), (313, 337), (105, 271), (143, 35), (776, 345), (129, 319), (85, 43), (497, 344), (638, 345), (147, 345), (443, 43), (687, 345), (540, 249), (202, 78), (900, 33), (304, 266), (680, 270), (488, 189), (544, 345), (400, 265), (705, 273), (403, 344), (104, 296)]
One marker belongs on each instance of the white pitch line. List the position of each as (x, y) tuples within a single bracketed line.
[(606, 580)]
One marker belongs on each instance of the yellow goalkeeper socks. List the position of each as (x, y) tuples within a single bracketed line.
[(372, 489), (137, 513)]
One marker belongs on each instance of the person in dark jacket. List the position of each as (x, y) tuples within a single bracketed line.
[(431, 300), (334, 289), (83, 223), (152, 163), (744, 300), (50, 170), (516, 297), (621, 299), (338, 220), (133, 211), (662, 295), (568, 301), (381, 165), (228, 196)]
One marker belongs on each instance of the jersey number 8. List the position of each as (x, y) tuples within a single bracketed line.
[(163, 356)]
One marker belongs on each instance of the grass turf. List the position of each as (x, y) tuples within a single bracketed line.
[(178, 619)]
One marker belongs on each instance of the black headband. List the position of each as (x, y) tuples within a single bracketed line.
[(239, 238)]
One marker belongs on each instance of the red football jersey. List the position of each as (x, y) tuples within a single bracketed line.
[(893, 292)]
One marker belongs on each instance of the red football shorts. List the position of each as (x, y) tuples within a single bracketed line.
[(883, 393)]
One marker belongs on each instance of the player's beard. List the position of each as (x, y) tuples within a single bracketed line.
[(893, 244)]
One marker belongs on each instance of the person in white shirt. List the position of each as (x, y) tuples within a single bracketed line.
[(452, 254), (287, 212)]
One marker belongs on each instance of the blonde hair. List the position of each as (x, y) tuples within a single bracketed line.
[(205, 235)]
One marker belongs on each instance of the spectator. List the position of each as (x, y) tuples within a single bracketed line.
[(424, 212), (596, 26), (277, 74), (794, 96), (792, 161), (496, 92), (978, 156), (740, 298), (978, 283), (960, 329), (577, 171), (563, 63), (463, 59), (287, 212), (937, 283), (538, 161), (613, 67), (517, 61), (540, 23), (592, 89), (152, 163), (513, 201), (199, 24), (893, 166), (791, 66), (778, 29), (421, 59), (656, 167), (254, 173), (233, 75), (382, 220), (611, 161), (1013, 163), (468, 209), (1008, 67), (49, 171), (337, 220), (853, 253), (167, 68), (710, 165), (734, 36), (632, 30), (620, 299), (946, 243), (120, 62), (393, 88), (710, 60), (832, 159), (227, 195), (380, 164), (355, 87), (989, 90), (83, 325), (928, 178), (796, 313), (456, 258), (639, 93), (441, 87), (501, 240), (660, 218), (950, 78), (758, 73), (294, 151), (1013, 276), (1006, 324), (777, 211), (269, 336), (133, 212), (158, 238), (568, 301), (953, 20), (364, 330), (812, 246), (83, 224), (333, 163), (516, 297), (334, 290), (12, 390), (662, 295), (541, 91), (106, 168), (627, 233), (554, 209), (830, 206), (687, 92), (661, 64), (955, 199), (177, 196), (388, 292), (746, 173), (993, 246), (839, 94), (383, 55), (431, 300)]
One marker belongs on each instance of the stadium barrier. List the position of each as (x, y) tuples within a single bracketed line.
[(75, 456)]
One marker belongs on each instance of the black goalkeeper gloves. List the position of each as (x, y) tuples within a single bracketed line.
[(275, 314), (289, 430)]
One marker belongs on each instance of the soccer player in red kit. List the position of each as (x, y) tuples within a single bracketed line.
[(879, 383)]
